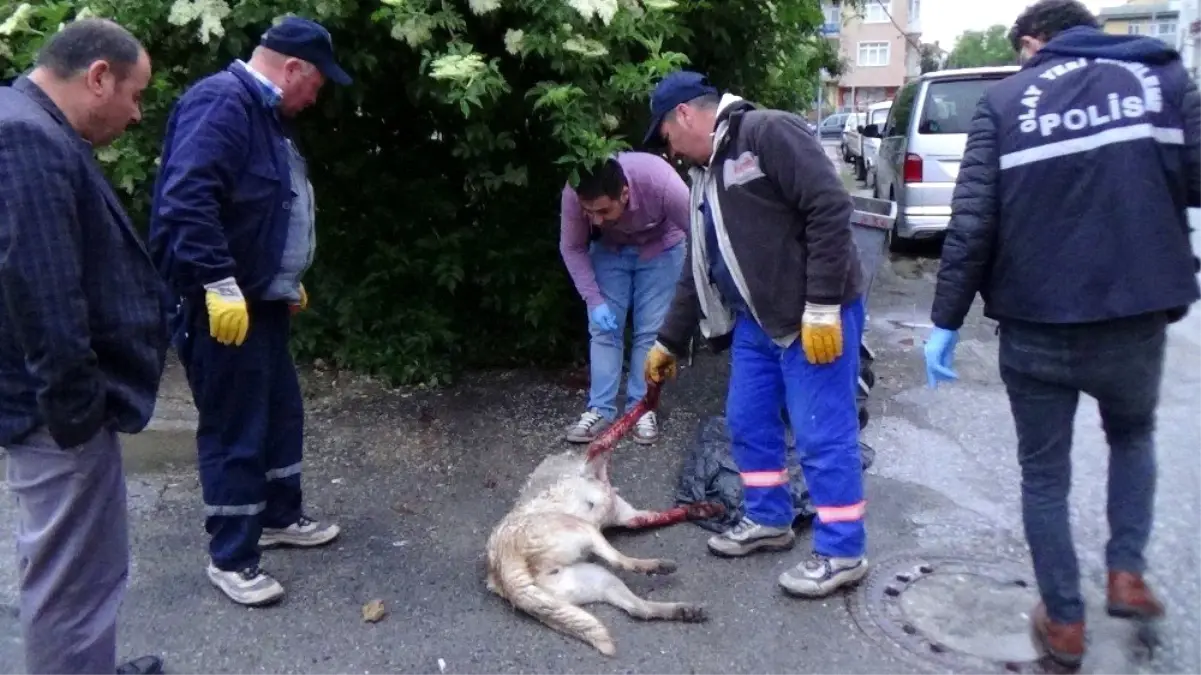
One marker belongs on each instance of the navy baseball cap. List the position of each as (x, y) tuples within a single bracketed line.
[(678, 87), (307, 40)]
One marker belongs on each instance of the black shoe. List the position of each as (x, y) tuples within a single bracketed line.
[(143, 665)]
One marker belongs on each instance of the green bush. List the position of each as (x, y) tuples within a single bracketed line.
[(438, 171)]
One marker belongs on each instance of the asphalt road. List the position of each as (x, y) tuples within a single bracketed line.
[(416, 479)]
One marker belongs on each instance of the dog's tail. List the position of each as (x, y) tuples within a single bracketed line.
[(525, 594)]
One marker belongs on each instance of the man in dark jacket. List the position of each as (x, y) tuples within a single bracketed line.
[(232, 229), (1069, 219), (773, 270), (83, 338)]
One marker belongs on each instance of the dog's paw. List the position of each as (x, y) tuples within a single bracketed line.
[(705, 510), (605, 646), (691, 614), (663, 566)]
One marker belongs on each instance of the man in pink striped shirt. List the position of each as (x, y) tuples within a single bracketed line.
[(622, 235)]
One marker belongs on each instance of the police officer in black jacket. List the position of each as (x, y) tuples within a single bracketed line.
[(1069, 218)]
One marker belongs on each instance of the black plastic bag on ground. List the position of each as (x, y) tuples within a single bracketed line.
[(708, 474)]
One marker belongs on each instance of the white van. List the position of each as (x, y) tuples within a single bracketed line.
[(877, 114), (921, 145)]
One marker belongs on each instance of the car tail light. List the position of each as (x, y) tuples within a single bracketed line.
[(913, 168)]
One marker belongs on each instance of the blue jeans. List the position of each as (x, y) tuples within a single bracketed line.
[(1045, 368), (821, 404), (643, 287)]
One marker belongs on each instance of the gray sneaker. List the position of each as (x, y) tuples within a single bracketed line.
[(821, 575), (251, 587), (587, 428), (747, 537), (304, 533), (646, 430)]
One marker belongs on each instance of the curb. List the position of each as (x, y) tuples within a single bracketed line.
[(166, 443)]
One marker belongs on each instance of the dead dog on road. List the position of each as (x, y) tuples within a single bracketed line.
[(537, 554)]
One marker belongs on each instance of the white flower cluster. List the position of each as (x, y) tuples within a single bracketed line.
[(210, 13), (607, 9), (457, 67), (481, 7), (18, 20), (414, 30), (514, 41), (604, 9), (584, 46)]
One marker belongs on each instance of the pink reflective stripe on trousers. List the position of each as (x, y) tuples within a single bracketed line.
[(763, 479), (842, 514)]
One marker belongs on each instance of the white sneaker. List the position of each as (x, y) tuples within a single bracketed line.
[(646, 430), (305, 533), (251, 587), (747, 536), (821, 575)]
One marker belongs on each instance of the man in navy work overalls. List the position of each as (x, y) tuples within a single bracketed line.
[(232, 229)]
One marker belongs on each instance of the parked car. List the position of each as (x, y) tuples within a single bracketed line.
[(921, 145), (830, 128), (876, 114), (850, 137)]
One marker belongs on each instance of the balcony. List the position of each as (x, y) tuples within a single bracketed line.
[(831, 29)]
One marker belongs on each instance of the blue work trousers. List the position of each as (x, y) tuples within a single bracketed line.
[(820, 399), (250, 435), (629, 285)]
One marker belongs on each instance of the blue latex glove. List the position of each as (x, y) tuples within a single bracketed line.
[(940, 353), (603, 317)]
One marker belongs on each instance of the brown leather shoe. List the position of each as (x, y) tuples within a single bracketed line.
[(1129, 597), (1064, 642)]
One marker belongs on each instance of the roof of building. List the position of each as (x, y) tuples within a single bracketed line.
[(1160, 10)]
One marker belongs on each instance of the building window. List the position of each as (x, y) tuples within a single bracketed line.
[(873, 54), (833, 14), (1162, 29), (915, 10), (877, 11)]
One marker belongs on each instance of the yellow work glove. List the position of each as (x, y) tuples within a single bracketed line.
[(821, 333), (228, 319), (660, 364), (304, 301)]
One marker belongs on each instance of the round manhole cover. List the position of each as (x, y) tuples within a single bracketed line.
[(951, 612)]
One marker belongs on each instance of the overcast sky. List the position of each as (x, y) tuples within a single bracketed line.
[(944, 20)]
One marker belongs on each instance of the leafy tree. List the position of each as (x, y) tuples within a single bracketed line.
[(989, 47), (931, 57), (438, 171)]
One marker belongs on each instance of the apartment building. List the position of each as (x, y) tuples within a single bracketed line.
[(1176, 22), (1153, 18), (880, 47)]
